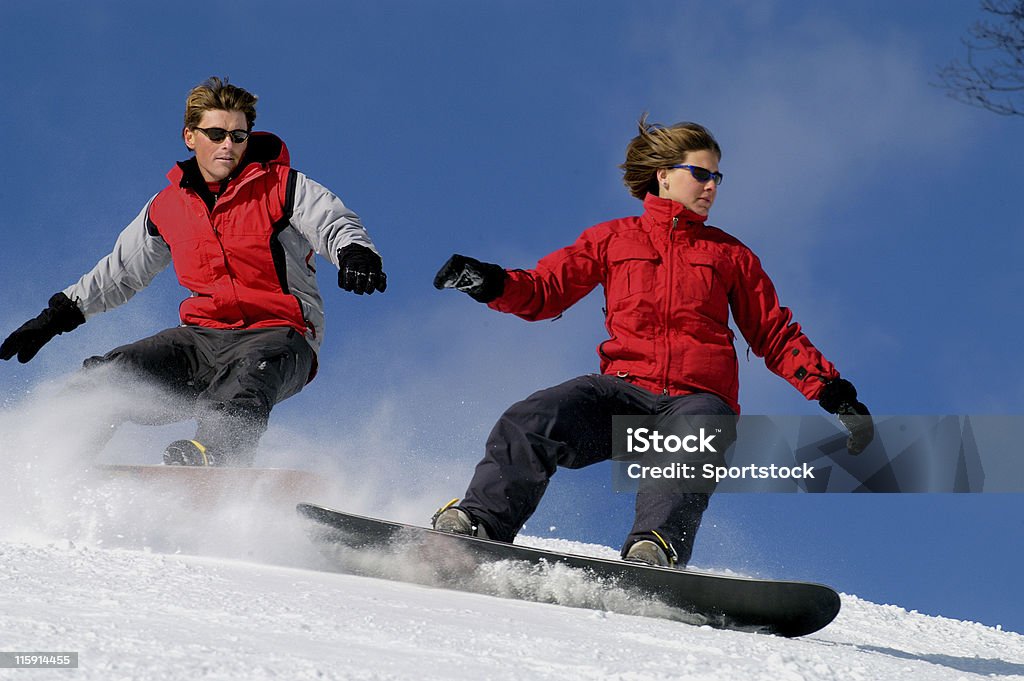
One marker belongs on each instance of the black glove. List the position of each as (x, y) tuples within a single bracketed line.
[(481, 280), (61, 315), (359, 270), (839, 397)]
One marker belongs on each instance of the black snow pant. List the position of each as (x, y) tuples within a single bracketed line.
[(228, 380), (570, 425)]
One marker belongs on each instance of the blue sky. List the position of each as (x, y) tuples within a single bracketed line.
[(883, 210)]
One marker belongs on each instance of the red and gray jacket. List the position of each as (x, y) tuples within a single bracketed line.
[(246, 254), (670, 282)]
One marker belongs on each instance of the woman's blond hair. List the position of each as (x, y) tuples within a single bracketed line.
[(215, 94), (657, 146)]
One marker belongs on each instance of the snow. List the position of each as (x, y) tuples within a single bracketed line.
[(154, 583), (135, 613)]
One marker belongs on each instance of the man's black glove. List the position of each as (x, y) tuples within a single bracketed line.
[(61, 315), (839, 397), (481, 280), (360, 270)]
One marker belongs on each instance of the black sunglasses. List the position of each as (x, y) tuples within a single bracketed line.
[(700, 174), (218, 134)]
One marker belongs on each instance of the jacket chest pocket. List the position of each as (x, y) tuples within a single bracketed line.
[(633, 269), (696, 276), (191, 261)]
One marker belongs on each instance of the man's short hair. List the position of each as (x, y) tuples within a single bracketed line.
[(217, 94)]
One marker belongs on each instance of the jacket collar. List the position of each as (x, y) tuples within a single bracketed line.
[(659, 213), (264, 148)]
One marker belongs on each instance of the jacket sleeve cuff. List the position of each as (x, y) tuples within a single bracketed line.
[(517, 295)]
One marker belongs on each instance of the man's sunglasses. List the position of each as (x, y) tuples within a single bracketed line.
[(218, 134), (699, 174)]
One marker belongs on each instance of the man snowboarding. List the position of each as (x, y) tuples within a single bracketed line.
[(240, 227), (670, 282)]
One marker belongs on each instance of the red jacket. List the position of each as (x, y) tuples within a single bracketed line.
[(670, 282)]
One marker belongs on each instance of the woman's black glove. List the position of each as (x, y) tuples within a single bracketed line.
[(61, 315), (360, 270), (481, 280), (839, 397)]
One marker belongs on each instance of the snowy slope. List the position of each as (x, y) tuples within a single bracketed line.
[(139, 614), (159, 584)]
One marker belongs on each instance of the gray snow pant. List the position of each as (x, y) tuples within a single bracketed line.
[(228, 380), (570, 425)]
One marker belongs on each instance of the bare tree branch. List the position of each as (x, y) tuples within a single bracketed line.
[(993, 75)]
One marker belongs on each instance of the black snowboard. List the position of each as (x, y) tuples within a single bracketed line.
[(408, 553)]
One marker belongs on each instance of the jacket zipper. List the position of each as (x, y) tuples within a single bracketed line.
[(224, 256), (668, 304)]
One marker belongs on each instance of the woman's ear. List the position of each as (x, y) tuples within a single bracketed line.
[(662, 175)]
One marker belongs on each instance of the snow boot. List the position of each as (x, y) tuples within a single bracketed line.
[(650, 553), (189, 453), (451, 518)]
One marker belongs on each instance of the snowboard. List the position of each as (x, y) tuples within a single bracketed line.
[(204, 485), (380, 548)]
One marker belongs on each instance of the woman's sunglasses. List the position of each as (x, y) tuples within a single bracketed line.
[(699, 174)]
